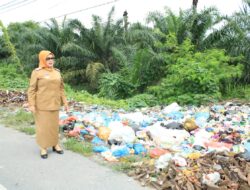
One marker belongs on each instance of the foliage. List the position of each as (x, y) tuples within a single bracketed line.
[(10, 79), (148, 67), (19, 120), (93, 72), (233, 36), (125, 164), (137, 101), (5, 47), (238, 91), (141, 100), (105, 40), (85, 97), (28, 130), (176, 59), (195, 77), (140, 36), (115, 86), (83, 148), (187, 24)]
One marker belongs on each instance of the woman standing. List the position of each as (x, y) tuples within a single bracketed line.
[(45, 97)]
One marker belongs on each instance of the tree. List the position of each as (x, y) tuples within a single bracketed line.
[(233, 36), (188, 24), (22, 36), (194, 4), (106, 41), (5, 46)]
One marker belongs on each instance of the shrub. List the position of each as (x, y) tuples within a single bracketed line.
[(195, 78), (115, 86), (142, 100)]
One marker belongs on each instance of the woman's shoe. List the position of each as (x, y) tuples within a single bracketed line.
[(44, 154), (57, 151)]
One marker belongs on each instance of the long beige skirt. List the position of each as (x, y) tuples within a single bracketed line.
[(47, 128)]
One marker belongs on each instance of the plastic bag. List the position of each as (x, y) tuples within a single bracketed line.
[(163, 161), (139, 149), (190, 125), (97, 140), (211, 179), (157, 152), (103, 133), (120, 152), (125, 134), (100, 149)]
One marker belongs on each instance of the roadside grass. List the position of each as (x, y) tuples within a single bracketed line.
[(126, 164), (28, 130), (18, 119), (81, 147)]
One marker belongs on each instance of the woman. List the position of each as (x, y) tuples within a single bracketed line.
[(45, 97)]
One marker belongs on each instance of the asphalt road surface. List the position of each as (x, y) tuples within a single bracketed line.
[(21, 168)]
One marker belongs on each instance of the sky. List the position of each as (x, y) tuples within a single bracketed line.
[(42, 10)]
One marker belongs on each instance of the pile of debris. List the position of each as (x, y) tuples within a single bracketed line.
[(190, 147), (220, 171), (8, 97)]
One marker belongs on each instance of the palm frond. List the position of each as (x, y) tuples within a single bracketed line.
[(73, 49), (93, 72)]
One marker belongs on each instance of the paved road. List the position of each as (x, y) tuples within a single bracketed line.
[(21, 168)]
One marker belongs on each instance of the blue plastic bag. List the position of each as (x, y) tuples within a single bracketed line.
[(100, 149), (97, 140), (201, 118), (139, 148), (84, 132), (129, 145), (175, 115), (247, 145), (121, 152)]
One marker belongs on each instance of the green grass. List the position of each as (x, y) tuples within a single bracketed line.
[(28, 130), (87, 98), (10, 79), (239, 92), (18, 119), (83, 148), (125, 164), (122, 167)]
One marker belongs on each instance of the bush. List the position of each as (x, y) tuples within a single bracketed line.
[(195, 78), (115, 86), (84, 96), (10, 79), (6, 50), (142, 100)]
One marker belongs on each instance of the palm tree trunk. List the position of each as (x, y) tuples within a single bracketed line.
[(195, 3), (125, 20)]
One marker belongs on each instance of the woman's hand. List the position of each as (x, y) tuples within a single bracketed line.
[(66, 108), (32, 109)]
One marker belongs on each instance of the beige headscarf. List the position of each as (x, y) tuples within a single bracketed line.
[(42, 58)]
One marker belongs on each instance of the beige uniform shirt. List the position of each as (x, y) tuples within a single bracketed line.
[(46, 89)]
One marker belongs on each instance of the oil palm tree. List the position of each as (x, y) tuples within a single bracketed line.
[(106, 41), (234, 37), (187, 24)]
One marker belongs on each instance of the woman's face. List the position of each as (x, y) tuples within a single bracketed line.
[(50, 60)]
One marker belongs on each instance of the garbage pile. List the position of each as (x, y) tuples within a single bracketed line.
[(12, 97), (211, 171), (190, 147)]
